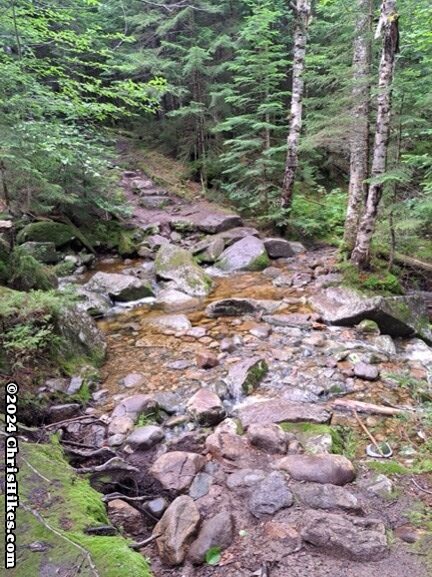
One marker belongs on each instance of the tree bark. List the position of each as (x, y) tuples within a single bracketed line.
[(388, 28), (359, 141), (303, 15)]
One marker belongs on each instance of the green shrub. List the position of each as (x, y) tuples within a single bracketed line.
[(378, 280)]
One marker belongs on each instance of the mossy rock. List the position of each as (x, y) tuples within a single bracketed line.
[(44, 252), (56, 508), (177, 264), (25, 273), (47, 231), (111, 235)]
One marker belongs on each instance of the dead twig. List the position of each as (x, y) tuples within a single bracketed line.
[(113, 496), (419, 487), (114, 464), (140, 544), (66, 421)]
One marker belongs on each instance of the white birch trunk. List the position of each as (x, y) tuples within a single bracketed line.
[(359, 138), (303, 16), (388, 27)]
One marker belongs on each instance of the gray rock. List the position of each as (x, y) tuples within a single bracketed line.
[(124, 516), (333, 469), (245, 478), (135, 406), (356, 538), (168, 401), (246, 254), (226, 444), (145, 438), (57, 384), (58, 413), (261, 331), (44, 252), (93, 303), (177, 529), (119, 287), (154, 202), (205, 407), (215, 532), (396, 316), (366, 371), (121, 426), (319, 496), (177, 264), (176, 470), (297, 247), (234, 307), (157, 507), (80, 334), (200, 486), (270, 438), (219, 222), (279, 411), (75, 385), (133, 380), (288, 320), (270, 495), (379, 485), (213, 251), (245, 376), (278, 248)]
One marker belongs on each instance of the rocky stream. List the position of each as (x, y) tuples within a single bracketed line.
[(253, 416)]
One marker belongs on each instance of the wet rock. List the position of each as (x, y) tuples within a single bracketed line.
[(261, 331), (157, 507), (215, 532), (288, 320), (246, 254), (366, 371), (200, 486), (58, 413), (278, 248), (95, 304), (44, 252), (125, 517), (219, 222), (333, 469), (177, 469), (245, 478), (133, 380), (270, 495), (234, 307), (170, 323), (317, 496), (168, 401), (119, 287), (270, 438), (355, 538), (396, 316), (177, 264), (172, 300), (177, 529), (145, 438), (279, 411), (245, 376), (206, 360), (205, 407)]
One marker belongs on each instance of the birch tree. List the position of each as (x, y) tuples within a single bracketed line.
[(359, 141), (388, 29), (302, 11)]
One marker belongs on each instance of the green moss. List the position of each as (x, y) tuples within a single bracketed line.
[(112, 235), (344, 441), (64, 268), (47, 231), (260, 263), (378, 281), (255, 375), (69, 507), (388, 467), (26, 273)]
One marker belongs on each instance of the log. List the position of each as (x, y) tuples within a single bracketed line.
[(360, 407)]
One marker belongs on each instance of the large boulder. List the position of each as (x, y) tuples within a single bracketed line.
[(278, 248), (323, 496), (219, 222), (248, 253), (176, 470), (120, 287), (325, 468), (177, 264), (47, 231), (80, 334), (176, 530), (399, 316), (279, 411), (356, 538), (233, 307)]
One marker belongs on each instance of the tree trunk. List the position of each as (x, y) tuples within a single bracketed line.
[(388, 27), (359, 145), (303, 15)]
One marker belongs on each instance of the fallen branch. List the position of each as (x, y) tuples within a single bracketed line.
[(114, 464), (72, 420), (102, 452), (360, 407), (59, 534), (141, 544), (113, 496), (30, 466)]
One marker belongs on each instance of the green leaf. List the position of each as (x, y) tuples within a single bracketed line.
[(213, 556)]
